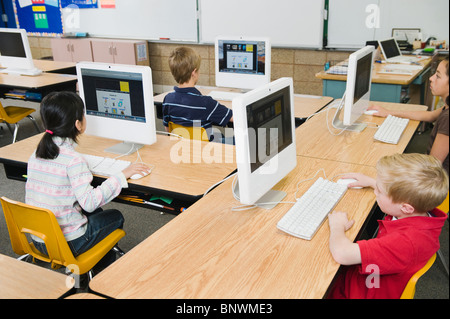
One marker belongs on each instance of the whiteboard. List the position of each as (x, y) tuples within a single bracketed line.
[(350, 25), (137, 19), (288, 23)]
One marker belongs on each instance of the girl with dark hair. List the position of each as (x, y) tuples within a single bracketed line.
[(59, 179), (439, 141)]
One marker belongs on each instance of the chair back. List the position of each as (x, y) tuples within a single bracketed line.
[(3, 115), (23, 219), (410, 289), (444, 205), (189, 132)]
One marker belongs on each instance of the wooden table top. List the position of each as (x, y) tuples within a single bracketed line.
[(22, 280), (180, 165), (313, 138), (211, 251)]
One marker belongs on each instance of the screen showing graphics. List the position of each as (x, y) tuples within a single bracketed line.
[(114, 94), (119, 103), (242, 63)]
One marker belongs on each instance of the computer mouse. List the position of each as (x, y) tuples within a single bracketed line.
[(346, 181), (370, 112), (137, 176)]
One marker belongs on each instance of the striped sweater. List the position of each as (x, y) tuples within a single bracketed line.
[(63, 185)]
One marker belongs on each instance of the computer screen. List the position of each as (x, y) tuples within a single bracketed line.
[(357, 94), (118, 103), (265, 141), (390, 48), (15, 53), (241, 62)]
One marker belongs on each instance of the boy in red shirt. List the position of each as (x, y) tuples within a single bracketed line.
[(408, 187)]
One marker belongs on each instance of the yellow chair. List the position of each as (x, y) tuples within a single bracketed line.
[(444, 208), (13, 114), (23, 219), (410, 289), (189, 132)]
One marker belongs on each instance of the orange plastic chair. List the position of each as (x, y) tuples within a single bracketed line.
[(23, 219), (13, 114), (189, 132), (410, 289)]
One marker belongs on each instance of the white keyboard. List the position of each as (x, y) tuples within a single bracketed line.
[(223, 95), (105, 166), (306, 216), (391, 129)]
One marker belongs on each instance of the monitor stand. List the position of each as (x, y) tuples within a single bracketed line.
[(338, 124), (270, 199), (29, 72), (124, 148)]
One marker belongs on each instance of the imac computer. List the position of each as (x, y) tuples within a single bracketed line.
[(357, 94), (241, 62), (15, 53), (265, 142), (118, 104)]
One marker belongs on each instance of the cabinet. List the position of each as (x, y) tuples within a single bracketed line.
[(71, 50), (132, 52)]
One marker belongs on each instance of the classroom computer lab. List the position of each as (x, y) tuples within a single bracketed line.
[(224, 157)]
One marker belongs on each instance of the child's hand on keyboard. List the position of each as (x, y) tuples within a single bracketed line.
[(137, 168), (339, 220)]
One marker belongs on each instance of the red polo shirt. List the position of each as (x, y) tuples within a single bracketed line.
[(401, 248)]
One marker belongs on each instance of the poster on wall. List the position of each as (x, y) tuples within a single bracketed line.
[(108, 4), (39, 17), (81, 4)]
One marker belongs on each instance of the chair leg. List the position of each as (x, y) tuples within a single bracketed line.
[(16, 128), (35, 123), (441, 256), (118, 251)]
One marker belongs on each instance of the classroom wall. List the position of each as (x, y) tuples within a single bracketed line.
[(300, 64)]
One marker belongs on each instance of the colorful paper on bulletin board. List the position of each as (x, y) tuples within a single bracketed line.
[(108, 4), (81, 4), (39, 17)]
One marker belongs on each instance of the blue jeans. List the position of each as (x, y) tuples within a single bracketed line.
[(100, 224)]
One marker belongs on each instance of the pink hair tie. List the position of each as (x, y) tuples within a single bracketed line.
[(49, 132)]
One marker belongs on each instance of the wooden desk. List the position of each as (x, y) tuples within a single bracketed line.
[(304, 105), (44, 83), (385, 87), (210, 251), (187, 180), (314, 140), (22, 280), (56, 66)]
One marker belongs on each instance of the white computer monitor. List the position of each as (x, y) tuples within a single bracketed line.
[(242, 62), (356, 98), (15, 53), (264, 129), (118, 104)]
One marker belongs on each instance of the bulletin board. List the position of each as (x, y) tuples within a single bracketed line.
[(39, 17)]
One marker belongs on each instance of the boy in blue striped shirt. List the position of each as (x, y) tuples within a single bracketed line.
[(186, 105)]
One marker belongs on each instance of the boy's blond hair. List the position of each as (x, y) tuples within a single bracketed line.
[(416, 179), (182, 62)]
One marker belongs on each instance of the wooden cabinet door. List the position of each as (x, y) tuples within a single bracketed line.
[(61, 50), (124, 53), (102, 51), (81, 50)]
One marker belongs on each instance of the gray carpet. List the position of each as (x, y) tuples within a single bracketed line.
[(141, 222)]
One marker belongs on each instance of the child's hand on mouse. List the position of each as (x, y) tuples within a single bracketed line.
[(137, 168), (361, 180)]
